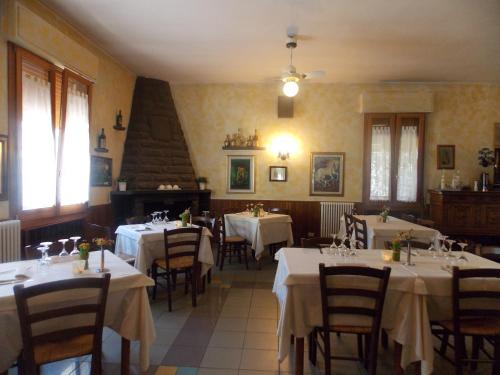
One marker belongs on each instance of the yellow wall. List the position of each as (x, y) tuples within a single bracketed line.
[(112, 90), (327, 118)]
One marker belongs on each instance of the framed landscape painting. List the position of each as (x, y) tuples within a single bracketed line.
[(446, 157), (240, 174), (100, 171), (327, 173)]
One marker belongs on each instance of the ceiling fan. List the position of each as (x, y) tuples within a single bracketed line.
[(290, 76)]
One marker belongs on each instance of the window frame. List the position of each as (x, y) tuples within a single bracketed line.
[(57, 213), (395, 122)]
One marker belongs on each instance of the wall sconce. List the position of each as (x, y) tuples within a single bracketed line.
[(283, 155)]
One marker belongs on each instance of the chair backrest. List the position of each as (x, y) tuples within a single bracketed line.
[(315, 242), (465, 298), (360, 231), (204, 221), (188, 239), (136, 220), (349, 222), (27, 318), (278, 210), (222, 229), (351, 294), (409, 217), (98, 231), (491, 253)]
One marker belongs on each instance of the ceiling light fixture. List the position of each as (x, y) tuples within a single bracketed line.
[(290, 87)]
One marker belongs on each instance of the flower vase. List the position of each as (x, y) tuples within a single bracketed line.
[(396, 253), (202, 186), (84, 255), (408, 255), (184, 222)]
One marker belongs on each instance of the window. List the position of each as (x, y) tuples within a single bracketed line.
[(393, 159), (49, 117)]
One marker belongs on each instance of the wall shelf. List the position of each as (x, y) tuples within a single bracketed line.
[(118, 127), (240, 148), (100, 149)]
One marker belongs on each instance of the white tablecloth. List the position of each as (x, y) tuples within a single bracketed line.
[(379, 232), (147, 245), (127, 309), (415, 295), (260, 231)]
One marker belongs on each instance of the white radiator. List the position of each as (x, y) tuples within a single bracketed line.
[(331, 212), (10, 241)]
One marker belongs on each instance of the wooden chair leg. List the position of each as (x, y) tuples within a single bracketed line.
[(459, 353), (194, 288), (496, 355), (187, 276), (312, 347), (154, 276), (328, 354), (360, 346), (209, 276), (476, 344), (244, 249), (384, 339), (223, 255), (368, 351), (169, 291), (372, 351)]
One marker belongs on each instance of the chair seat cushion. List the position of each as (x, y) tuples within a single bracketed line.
[(59, 350), (487, 326), (179, 262), (234, 239)]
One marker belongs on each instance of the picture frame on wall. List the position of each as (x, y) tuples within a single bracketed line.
[(278, 173), (327, 173), (445, 156), (101, 171), (241, 174)]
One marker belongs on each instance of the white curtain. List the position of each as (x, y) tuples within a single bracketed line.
[(38, 162), (380, 180), (407, 168), (75, 166)]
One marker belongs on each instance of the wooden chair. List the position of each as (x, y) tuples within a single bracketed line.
[(209, 223), (409, 217), (349, 223), (315, 242), (491, 253), (229, 244), (360, 231), (278, 210), (331, 307), (477, 321), (61, 343), (184, 261)]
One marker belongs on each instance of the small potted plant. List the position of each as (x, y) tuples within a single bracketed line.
[(122, 183), (202, 182), (486, 158)]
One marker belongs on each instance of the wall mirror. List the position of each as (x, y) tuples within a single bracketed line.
[(3, 167)]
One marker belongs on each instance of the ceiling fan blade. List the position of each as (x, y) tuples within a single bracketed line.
[(314, 74)]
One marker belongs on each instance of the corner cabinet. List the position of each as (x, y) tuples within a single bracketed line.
[(466, 212)]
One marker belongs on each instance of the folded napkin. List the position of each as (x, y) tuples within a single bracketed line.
[(18, 274)]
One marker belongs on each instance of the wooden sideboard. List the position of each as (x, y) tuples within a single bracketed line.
[(466, 212)]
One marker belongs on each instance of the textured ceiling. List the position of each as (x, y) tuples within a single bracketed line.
[(216, 41)]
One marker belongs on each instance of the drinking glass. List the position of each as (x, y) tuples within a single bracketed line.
[(333, 247), (450, 243), (75, 249), (44, 260), (47, 245), (462, 257), (63, 252), (442, 247), (165, 218)]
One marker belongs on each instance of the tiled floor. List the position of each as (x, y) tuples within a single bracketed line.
[(231, 332)]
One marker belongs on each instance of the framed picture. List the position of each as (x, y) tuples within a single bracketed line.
[(3, 167), (446, 157), (240, 174), (277, 173), (100, 171), (327, 173)]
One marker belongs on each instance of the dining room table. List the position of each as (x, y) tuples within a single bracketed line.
[(128, 312), (146, 242), (260, 231), (379, 231), (415, 296)]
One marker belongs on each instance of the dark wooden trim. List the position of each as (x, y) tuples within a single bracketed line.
[(4, 163)]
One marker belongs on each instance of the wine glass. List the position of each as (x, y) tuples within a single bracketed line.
[(432, 250), (450, 243), (47, 245), (44, 259), (462, 245), (63, 252), (442, 247), (75, 249), (165, 217), (333, 247)]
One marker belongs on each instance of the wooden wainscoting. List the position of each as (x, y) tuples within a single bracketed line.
[(101, 214), (305, 214)]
